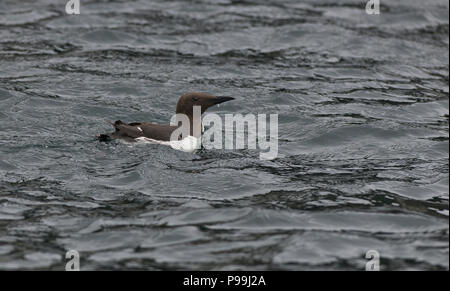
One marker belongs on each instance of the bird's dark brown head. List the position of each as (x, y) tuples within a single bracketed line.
[(187, 102)]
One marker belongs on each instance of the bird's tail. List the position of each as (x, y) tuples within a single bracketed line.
[(107, 137)]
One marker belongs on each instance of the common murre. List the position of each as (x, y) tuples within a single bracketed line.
[(161, 133)]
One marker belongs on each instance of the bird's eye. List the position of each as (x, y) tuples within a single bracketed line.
[(195, 98)]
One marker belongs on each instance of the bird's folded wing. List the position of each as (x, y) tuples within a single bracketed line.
[(157, 131), (133, 131)]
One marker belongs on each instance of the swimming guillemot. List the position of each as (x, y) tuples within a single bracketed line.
[(163, 132)]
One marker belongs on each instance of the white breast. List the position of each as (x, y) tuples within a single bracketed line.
[(188, 144)]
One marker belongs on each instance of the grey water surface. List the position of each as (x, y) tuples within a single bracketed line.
[(363, 105)]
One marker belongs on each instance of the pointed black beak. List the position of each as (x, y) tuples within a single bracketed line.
[(221, 99)]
